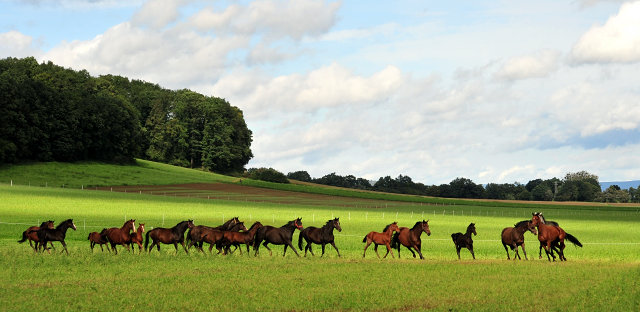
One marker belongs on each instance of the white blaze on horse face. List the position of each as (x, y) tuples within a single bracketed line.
[(134, 226)]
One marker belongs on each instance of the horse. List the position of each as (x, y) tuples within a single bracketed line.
[(464, 240), (173, 236), (34, 236), (277, 236), (137, 238), (195, 235), (553, 236), (121, 236), (236, 238), (410, 238), (547, 222), (322, 236), (383, 238), (214, 237), (58, 234), (99, 238), (514, 237)]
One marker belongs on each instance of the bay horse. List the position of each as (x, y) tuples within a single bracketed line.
[(137, 238), (33, 236), (514, 237), (383, 238), (237, 238), (121, 236), (277, 236), (322, 236), (553, 236), (465, 240), (547, 222), (410, 238), (99, 238), (195, 235), (58, 234), (172, 235), (214, 237)]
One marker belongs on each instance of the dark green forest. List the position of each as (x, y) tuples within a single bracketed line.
[(52, 113)]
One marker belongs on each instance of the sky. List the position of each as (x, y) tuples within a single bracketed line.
[(492, 91)]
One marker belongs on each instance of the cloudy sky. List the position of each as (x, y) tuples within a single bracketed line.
[(494, 91)]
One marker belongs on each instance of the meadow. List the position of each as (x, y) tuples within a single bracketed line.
[(602, 275)]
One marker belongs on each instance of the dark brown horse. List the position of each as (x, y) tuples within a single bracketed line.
[(137, 238), (196, 235), (33, 237), (237, 238), (465, 240), (514, 237), (58, 234), (383, 238), (214, 237), (277, 236), (322, 236), (410, 238), (173, 236), (553, 236), (99, 238), (121, 236)]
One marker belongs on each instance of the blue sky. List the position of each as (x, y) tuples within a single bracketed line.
[(493, 91)]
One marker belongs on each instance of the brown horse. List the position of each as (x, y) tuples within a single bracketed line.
[(383, 238), (137, 238), (277, 236), (32, 236), (236, 238), (547, 222), (197, 233), (58, 234), (410, 238), (214, 237), (465, 240), (121, 236), (322, 236), (514, 237), (99, 238), (553, 237), (173, 236)]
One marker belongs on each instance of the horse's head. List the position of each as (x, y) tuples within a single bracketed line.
[(141, 228), (73, 225), (532, 228), (104, 233), (242, 227), (336, 224), (298, 224), (48, 225), (535, 220), (425, 227), (472, 229), (190, 224), (394, 227)]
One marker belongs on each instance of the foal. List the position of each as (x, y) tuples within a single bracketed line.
[(383, 238), (465, 241), (99, 238), (514, 237), (137, 238)]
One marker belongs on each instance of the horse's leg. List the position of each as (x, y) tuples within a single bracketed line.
[(91, 244), (175, 244), (376, 249), (507, 250), (336, 248), (310, 245), (458, 251), (389, 250), (471, 250), (64, 246), (410, 249), (540, 255), (524, 252), (323, 244), (269, 249), (113, 247), (419, 250), (517, 254), (292, 248), (365, 248)]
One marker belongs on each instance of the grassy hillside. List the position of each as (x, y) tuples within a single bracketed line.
[(92, 174)]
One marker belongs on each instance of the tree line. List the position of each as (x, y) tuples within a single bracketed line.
[(51, 113), (577, 186)]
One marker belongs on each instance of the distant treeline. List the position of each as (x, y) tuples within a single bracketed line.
[(578, 186), (49, 113)]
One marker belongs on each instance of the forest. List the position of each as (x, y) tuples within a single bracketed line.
[(51, 113)]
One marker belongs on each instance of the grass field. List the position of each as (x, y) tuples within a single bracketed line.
[(603, 275)]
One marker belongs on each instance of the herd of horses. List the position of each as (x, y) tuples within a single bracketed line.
[(234, 233)]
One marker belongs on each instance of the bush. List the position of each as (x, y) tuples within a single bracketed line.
[(268, 175)]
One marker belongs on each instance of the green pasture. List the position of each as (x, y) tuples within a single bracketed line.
[(603, 275)]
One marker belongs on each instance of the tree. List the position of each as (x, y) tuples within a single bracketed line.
[(542, 193), (300, 176)]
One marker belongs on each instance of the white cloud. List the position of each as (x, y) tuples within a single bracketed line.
[(537, 65), (157, 13), (263, 54), (618, 41), (278, 19), (17, 44)]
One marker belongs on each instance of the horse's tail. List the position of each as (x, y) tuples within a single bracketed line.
[(573, 239), (394, 241), (146, 241), (188, 240), (89, 237), (364, 240), (300, 240), (24, 237)]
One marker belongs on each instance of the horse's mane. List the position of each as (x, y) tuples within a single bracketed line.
[(418, 224), (522, 222), (387, 227), (254, 225), (63, 223), (44, 224), (226, 224)]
